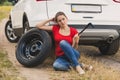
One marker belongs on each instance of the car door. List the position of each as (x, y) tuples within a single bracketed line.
[(36, 11)]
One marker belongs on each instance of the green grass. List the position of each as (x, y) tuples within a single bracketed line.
[(6, 3), (4, 63), (4, 11), (7, 70)]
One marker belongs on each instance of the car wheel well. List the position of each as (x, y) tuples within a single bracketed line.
[(25, 23), (9, 17), (24, 18)]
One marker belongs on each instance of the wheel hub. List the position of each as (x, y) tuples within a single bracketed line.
[(10, 33), (33, 49), (36, 47)]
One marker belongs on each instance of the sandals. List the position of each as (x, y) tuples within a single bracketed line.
[(86, 67)]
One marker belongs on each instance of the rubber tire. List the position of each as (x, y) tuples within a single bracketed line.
[(9, 24), (110, 48), (29, 38)]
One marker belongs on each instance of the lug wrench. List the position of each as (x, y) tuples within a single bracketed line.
[(89, 24)]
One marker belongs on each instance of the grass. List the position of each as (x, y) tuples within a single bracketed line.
[(7, 70), (88, 56), (116, 57), (4, 11)]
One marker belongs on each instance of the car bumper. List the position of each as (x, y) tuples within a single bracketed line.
[(95, 35)]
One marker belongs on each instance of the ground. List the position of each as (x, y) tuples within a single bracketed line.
[(36, 73), (40, 72)]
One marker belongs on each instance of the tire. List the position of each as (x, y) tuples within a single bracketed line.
[(110, 49), (33, 47), (9, 33)]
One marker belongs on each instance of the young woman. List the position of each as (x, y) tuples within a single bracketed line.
[(66, 42)]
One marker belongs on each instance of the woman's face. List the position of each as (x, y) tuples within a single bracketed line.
[(62, 20)]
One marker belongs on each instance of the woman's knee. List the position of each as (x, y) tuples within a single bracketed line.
[(62, 42), (59, 67), (55, 65)]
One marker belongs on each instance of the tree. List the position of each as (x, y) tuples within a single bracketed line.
[(2, 1)]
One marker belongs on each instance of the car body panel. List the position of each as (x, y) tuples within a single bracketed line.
[(37, 11), (102, 13)]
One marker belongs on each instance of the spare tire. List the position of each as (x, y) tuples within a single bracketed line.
[(33, 47)]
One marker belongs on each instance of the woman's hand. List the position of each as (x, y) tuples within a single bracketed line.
[(42, 25), (76, 38), (51, 19), (75, 41)]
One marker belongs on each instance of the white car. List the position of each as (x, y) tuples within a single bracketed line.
[(104, 15)]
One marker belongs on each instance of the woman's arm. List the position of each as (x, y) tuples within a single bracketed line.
[(42, 25), (75, 41)]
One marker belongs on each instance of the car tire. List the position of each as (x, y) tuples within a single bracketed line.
[(9, 33), (33, 47), (110, 48)]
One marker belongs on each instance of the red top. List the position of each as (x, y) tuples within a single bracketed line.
[(58, 37)]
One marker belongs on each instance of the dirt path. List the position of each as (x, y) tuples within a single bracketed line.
[(36, 73), (40, 73)]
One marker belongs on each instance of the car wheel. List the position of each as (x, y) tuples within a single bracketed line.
[(9, 32), (110, 49), (33, 47)]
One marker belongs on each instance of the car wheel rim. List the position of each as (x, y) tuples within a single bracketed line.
[(10, 33), (32, 47)]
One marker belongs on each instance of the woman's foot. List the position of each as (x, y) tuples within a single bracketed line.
[(86, 67), (80, 70)]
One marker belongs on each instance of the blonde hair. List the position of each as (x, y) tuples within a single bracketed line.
[(58, 14)]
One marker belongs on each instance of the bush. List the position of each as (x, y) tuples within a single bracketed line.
[(5, 2), (2, 1)]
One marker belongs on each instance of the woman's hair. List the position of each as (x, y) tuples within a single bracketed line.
[(58, 14)]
